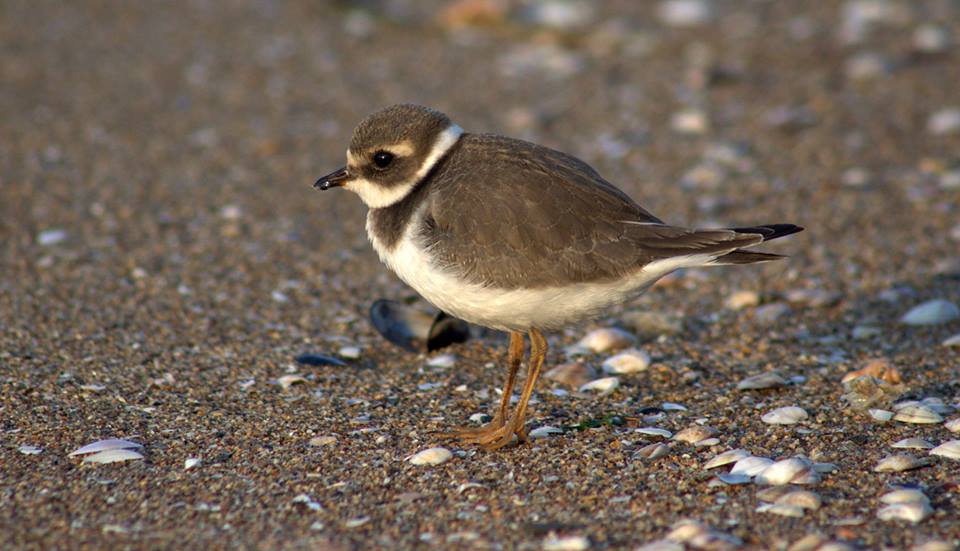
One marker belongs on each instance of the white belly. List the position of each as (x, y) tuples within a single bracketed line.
[(516, 309)]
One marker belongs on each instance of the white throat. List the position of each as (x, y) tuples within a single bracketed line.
[(376, 197)]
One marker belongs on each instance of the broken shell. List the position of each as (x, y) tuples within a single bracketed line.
[(654, 451), (695, 433), (906, 495), (430, 456), (949, 449), (29, 450), (725, 458), (606, 340), (761, 381), (628, 361), (288, 381), (191, 463), (912, 443), (605, 385), (912, 512), (793, 470), (112, 456), (107, 445), (751, 466), (879, 368), (900, 462), (544, 431), (917, 414), (414, 329), (788, 415)]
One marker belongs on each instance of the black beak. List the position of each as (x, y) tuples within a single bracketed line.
[(335, 179)]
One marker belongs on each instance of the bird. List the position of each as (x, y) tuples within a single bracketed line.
[(514, 236)]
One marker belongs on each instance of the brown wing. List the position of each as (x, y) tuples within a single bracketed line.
[(508, 213)]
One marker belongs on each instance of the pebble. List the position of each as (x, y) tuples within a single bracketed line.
[(769, 313), (572, 374), (952, 341), (106, 445), (445, 361), (650, 325), (349, 352), (933, 545), (690, 122), (949, 449), (912, 443), (742, 299), (430, 456), (944, 122), (191, 462), (917, 414), (788, 471), (288, 381), (322, 440), (813, 298), (953, 425), (867, 66), (912, 512), (607, 339), (307, 502), (700, 536), (931, 39), (685, 13), (29, 450), (694, 434), (604, 386), (544, 431), (865, 331), (628, 361), (900, 462), (788, 415), (559, 14), (565, 543), (931, 312), (113, 456), (859, 16), (661, 545), (654, 451), (855, 177), (725, 458), (762, 381), (751, 466), (547, 60), (51, 237)]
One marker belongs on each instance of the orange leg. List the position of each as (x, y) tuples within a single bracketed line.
[(503, 436)]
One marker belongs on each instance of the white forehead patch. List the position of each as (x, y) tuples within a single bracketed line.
[(376, 196)]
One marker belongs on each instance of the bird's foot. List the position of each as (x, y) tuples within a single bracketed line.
[(494, 435)]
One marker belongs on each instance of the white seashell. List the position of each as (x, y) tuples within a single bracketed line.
[(933, 545), (911, 512), (288, 381), (670, 406), (191, 463), (700, 536), (912, 443), (907, 495), (685, 13), (949, 449), (742, 299), (917, 414), (356, 522), (751, 466), (661, 545), (544, 431), (430, 456), (804, 499), (443, 360), (349, 352), (107, 445), (606, 340), (29, 450), (605, 385), (654, 431), (761, 381), (953, 425), (654, 451), (112, 456), (51, 237), (707, 442), (690, 121), (695, 433), (931, 312), (780, 509), (900, 462), (786, 471), (807, 477), (308, 502), (732, 479), (952, 341), (565, 543), (881, 415), (725, 458), (788, 415), (628, 361)]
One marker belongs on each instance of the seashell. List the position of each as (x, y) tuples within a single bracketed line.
[(544, 431), (751, 466), (573, 374), (307, 502), (288, 381), (725, 458), (415, 330), (606, 340), (794, 469), (879, 368), (661, 545), (322, 440), (356, 522), (762, 381), (933, 545), (773, 493), (650, 325), (810, 542), (112, 456), (700, 536), (349, 352), (51, 237), (788, 415), (628, 361), (29, 450), (949, 449), (931, 312), (912, 443), (952, 341), (804, 499), (107, 445), (781, 509), (917, 414), (814, 298), (654, 451), (445, 361), (912, 512), (953, 425), (742, 299), (317, 360), (430, 456), (480, 418), (707, 442), (654, 431), (732, 479), (554, 542), (881, 415), (900, 462), (191, 463), (906, 495), (695, 433), (605, 385), (670, 406)]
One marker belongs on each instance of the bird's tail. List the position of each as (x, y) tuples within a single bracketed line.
[(769, 232)]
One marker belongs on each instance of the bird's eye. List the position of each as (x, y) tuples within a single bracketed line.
[(382, 159)]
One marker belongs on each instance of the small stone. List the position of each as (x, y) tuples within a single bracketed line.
[(788, 415), (931, 312), (933, 545), (685, 13), (950, 449), (769, 313), (725, 458), (917, 414), (910, 512), (191, 462), (307, 502), (565, 543), (349, 352), (430, 456), (466, 13), (900, 462), (813, 298), (865, 392), (628, 361), (931, 39), (559, 14), (549, 61), (325, 440), (317, 360), (855, 177), (751, 466), (444, 361), (606, 340), (867, 66), (50, 237), (953, 341), (544, 431), (865, 331), (288, 381), (742, 299), (944, 122), (604, 386), (650, 325), (572, 374), (690, 122), (762, 381)]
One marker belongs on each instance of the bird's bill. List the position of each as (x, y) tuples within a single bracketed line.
[(337, 178)]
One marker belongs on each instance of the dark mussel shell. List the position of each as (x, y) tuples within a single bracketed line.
[(415, 330)]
